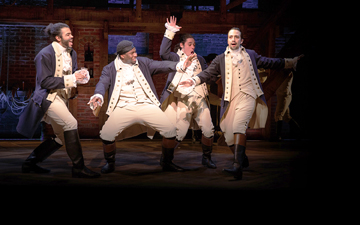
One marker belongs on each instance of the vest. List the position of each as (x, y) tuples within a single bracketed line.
[(139, 76), (65, 93), (229, 75)]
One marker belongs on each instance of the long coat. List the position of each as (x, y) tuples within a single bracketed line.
[(256, 61), (45, 63), (148, 68)]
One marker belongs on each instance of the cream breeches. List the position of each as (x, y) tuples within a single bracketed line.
[(145, 114), (187, 109), (60, 118), (237, 117)]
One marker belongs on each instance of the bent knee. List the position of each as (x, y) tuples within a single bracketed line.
[(71, 124)]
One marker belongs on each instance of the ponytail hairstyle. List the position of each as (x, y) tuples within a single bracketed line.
[(54, 30), (183, 39)]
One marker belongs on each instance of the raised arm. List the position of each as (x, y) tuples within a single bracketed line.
[(165, 47)]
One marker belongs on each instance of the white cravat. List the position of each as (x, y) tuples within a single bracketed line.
[(236, 56), (128, 71), (66, 58)]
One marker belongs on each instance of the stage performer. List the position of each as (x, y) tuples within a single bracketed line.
[(282, 112), (186, 108), (56, 76), (133, 103), (243, 98)]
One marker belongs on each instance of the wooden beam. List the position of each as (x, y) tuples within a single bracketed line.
[(106, 29), (138, 10), (222, 10), (234, 4), (270, 22)]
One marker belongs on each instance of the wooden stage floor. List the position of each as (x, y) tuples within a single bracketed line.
[(273, 166)]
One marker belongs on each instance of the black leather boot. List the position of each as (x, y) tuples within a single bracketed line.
[(246, 160), (40, 153), (109, 155), (166, 160), (74, 150), (239, 161), (206, 144)]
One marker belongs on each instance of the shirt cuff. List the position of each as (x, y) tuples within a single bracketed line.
[(290, 63), (170, 31), (197, 80), (169, 34), (171, 28), (69, 81)]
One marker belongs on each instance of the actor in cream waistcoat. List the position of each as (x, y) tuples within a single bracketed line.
[(243, 102), (134, 107), (56, 75), (186, 108)]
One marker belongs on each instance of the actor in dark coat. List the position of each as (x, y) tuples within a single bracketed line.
[(45, 81), (56, 75), (243, 102), (186, 109), (133, 103)]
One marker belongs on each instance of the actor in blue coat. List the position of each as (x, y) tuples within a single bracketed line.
[(186, 108), (56, 75), (243, 102), (133, 103)]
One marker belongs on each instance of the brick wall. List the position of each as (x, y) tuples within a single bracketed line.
[(21, 44), (18, 47)]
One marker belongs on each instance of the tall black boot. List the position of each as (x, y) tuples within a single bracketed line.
[(74, 150), (206, 144), (109, 155), (40, 153), (246, 160), (238, 165), (166, 160)]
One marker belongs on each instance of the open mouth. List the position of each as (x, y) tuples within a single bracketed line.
[(192, 52)]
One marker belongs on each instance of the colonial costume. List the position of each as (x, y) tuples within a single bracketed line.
[(282, 112), (55, 66), (134, 105), (187, 107), (243, 103)]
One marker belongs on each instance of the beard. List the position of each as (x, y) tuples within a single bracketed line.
[(67, 43)]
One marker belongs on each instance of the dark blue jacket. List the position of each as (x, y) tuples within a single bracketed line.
[(45, 81)]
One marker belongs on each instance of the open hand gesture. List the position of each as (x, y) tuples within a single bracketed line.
[(189, 60), (172, 22)]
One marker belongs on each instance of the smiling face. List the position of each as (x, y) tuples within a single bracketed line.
[(129, 57), (188, 47), (66, 38), (234, 39)]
